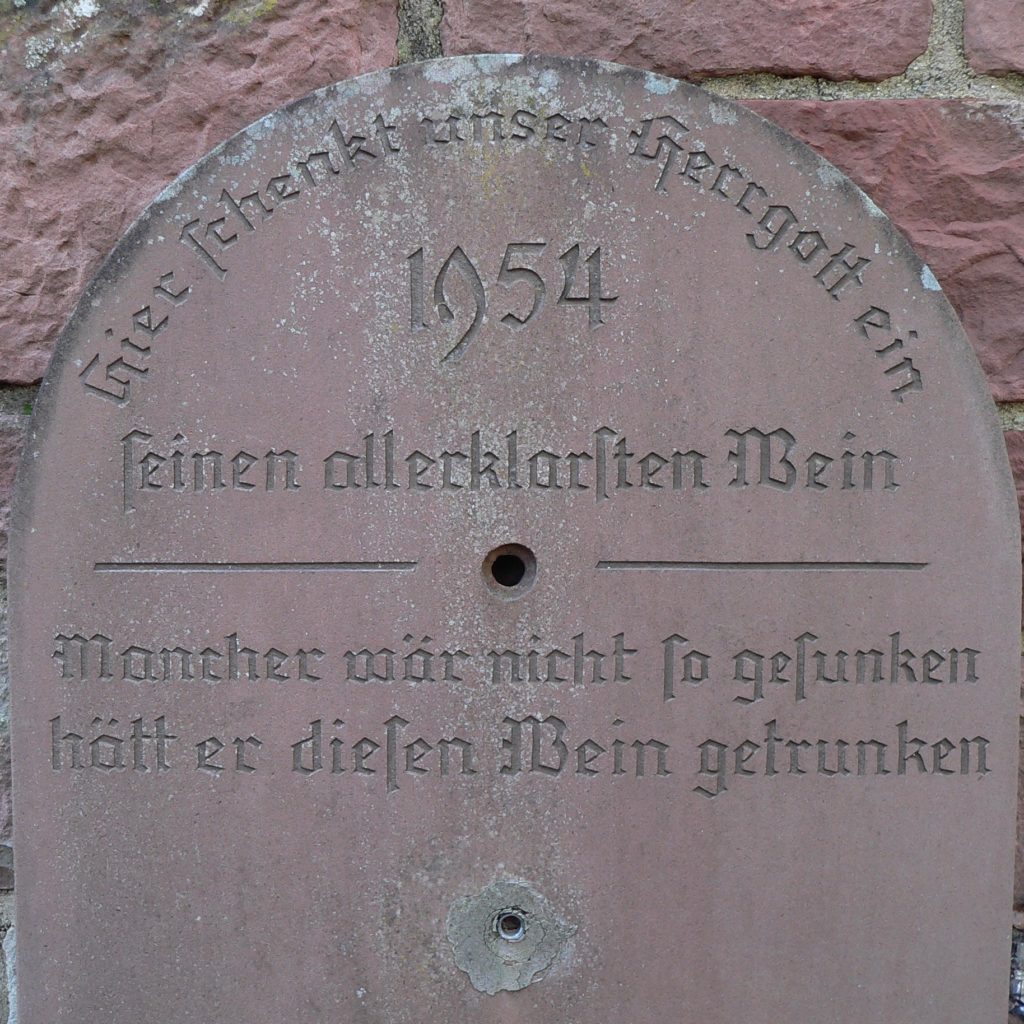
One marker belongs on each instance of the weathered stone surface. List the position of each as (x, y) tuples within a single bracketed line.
[(432, 314), (994, 36), (950, 173), (103, 104), (836, 39)]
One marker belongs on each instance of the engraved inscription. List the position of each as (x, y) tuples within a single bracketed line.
[(79, 657), (607, 466), (514, 272), (902, 754), (530, 744), (804, 665), (517, 127), (900, 368), (109, 745), (115, 383), (833, 265), (235, 216), (452, 290), (390, 755), (148, 470), (540, 745)]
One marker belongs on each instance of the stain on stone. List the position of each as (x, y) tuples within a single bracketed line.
[(243, 14)]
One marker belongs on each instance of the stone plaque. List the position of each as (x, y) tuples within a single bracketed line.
[(514, 539)]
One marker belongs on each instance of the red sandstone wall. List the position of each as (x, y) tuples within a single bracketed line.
[(103, 102)]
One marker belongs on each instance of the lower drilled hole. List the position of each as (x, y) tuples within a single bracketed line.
[(510, 925)]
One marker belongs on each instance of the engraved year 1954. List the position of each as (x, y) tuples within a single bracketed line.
[(523, 267)]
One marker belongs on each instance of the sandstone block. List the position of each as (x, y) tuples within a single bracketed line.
[(100, 111), (994, 36), (836, 39), (950, 174)]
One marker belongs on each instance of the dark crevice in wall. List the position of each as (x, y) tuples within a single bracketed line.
[(17, 399)]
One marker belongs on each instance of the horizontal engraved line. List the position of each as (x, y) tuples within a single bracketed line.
[(182, 567), (804, 566)]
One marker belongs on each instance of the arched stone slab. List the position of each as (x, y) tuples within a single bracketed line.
[(297, 737)]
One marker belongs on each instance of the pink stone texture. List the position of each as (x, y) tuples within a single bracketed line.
[(98, 114), (994, 36), (950, 173), (836, 39)]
